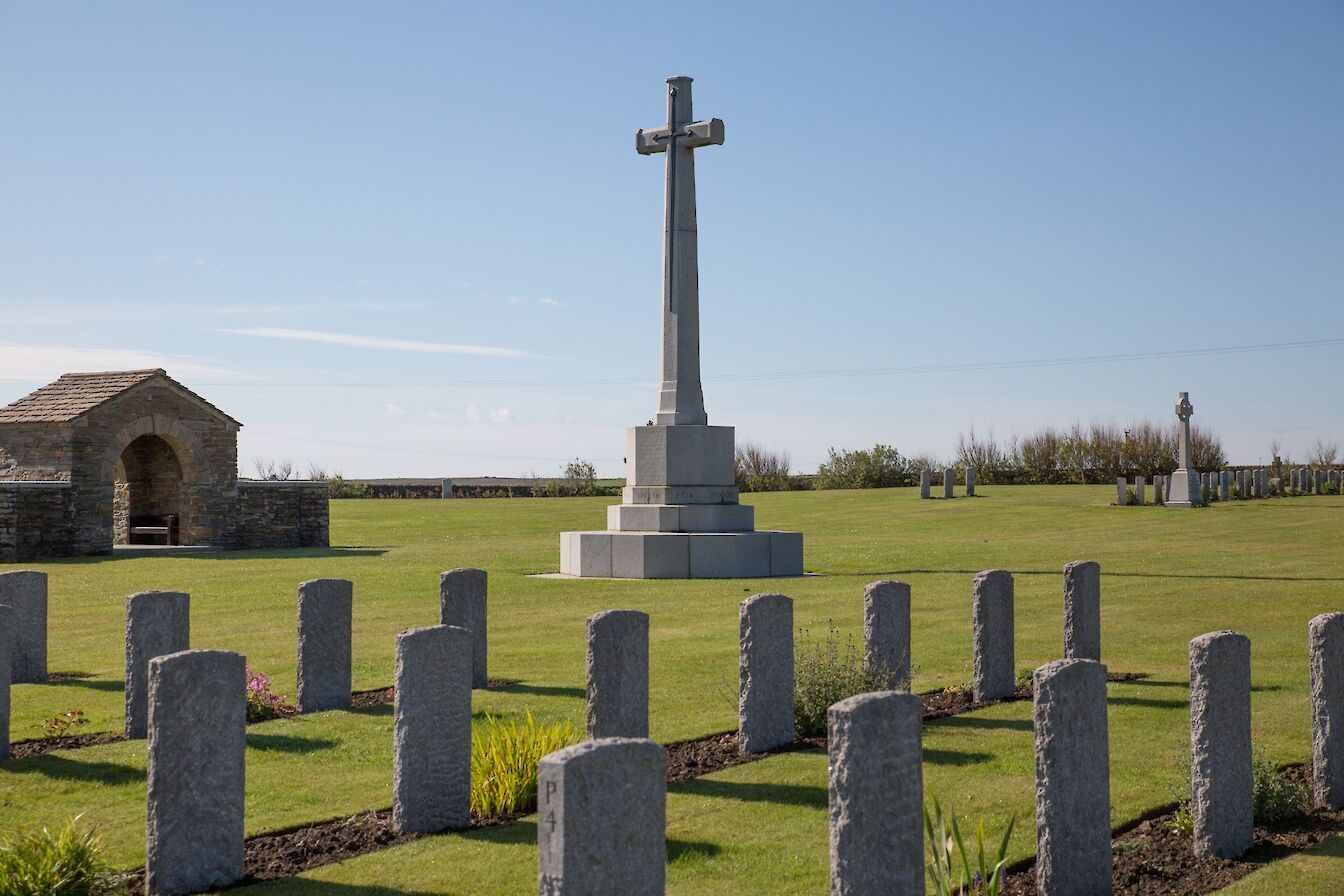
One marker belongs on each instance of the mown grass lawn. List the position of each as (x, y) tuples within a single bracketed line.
[(1263, 568)]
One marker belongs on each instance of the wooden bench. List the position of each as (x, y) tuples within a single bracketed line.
[(153, 526)]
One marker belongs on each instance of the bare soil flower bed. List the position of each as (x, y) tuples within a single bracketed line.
[(1150, 859), (281, 854)]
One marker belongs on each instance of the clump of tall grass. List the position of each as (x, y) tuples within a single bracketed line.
[(40, 863), (982, 876), (504, 757)]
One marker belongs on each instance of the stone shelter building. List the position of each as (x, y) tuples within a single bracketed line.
[(95, 460)]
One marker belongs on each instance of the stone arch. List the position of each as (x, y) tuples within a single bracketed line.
[(182, 472)]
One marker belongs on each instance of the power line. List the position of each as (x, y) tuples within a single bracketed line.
[(966, 366)]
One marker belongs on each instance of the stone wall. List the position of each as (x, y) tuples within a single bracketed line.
[(36, 519), (286, 514), (35, 452)]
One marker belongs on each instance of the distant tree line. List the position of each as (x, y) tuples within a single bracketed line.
[(1081, 453)]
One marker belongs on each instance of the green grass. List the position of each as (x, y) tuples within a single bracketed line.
[(1263, 568)]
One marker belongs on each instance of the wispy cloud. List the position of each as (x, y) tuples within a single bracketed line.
[(493, 415), (541, 301), (394, 410), (377, 342), (43, 363)]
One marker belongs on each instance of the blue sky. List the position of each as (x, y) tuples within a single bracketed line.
[(415, 238)]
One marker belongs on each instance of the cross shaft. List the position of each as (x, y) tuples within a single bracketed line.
[(681, 398)]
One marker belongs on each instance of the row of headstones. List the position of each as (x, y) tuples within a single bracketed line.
[(432, 731), (196, 771), (158, 623), (1218, 486), (949, 482), (1140, 490), (602, 803), (194, 834)]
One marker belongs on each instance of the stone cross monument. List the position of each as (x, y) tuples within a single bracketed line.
[(1183, 489), (679, 516)]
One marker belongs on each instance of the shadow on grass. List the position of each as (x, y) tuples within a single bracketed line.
[(539, 690), (955, 757), (971, 720), (678, 850), (378, 709), (289, 553), (784, 794), (1150, 702), (1154, 683), (253, 554), (93, 684), (288, 743), (50, 765), (300, 885)]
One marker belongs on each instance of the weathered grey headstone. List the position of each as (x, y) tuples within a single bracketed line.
[(462, 602), (618, 674), (6, 661), (1073, 779), (197, 735), (1325, 640), (924, 485), (157, 623), (949, 482), (1158, 483), (602, 819), (1294, 480), (431, 730), (992, 633), (970, 482), (325, 609), (1140, 487), (886, 631), (1220, 744), (1082, 610), (1121, 489), (446, 489), (26, 591), (1225, 486), (1334, 477), (1319, 482), (876, 795), (765, 673)]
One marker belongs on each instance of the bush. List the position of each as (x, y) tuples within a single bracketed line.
[(504, 759), (263, 704), (44, 864), (1276, 797), (1131, 496), (757, 469), (1329, 488), (883, 467), (825, 673)]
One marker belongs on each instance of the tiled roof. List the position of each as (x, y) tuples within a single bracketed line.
[(75, 394)]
